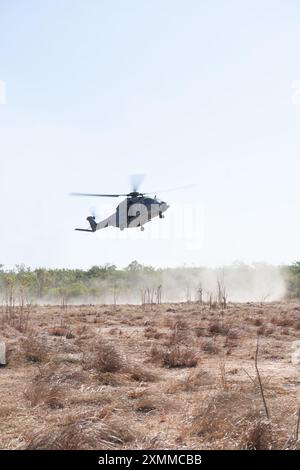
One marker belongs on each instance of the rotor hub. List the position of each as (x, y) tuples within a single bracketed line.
[(135, 194)]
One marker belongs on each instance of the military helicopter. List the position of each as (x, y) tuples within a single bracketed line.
[(134, 211)]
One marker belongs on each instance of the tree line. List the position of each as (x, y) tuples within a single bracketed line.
[(23, 286)]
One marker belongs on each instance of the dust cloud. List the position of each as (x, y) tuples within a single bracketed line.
[(239, 282)]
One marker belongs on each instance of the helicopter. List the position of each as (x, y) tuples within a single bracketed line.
[(134, 211)]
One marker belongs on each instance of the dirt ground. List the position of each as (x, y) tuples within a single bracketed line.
[(170, 376)]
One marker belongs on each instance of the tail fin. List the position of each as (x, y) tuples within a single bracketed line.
[(93, 223)]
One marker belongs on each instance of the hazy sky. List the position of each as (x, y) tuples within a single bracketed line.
[(184, 91)]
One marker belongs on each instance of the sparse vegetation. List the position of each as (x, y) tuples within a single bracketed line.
[(175, 356), (43, 393), (104, 357), (34, 349), (22, 287), (151, 376)]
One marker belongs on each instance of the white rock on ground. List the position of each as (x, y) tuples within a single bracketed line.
[(295, 357), (2, 353)]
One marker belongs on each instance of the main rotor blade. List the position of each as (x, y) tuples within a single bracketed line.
[(97, 195), (136, 181), (93, 213)]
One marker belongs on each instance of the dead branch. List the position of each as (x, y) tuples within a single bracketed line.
[(259, 379)]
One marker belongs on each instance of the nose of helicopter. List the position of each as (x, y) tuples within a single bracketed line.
[(163, 206)]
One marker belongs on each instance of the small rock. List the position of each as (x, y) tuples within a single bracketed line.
[(2, 353), (295, 357)]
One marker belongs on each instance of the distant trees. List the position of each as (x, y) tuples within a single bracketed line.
[(22, 286), (292, 278), (9, 290), (42, 281)]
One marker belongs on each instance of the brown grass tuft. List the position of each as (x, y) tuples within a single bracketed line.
[(221, 416), (145, 405), (139, 373), (43, 393), (58, 331), (104, 357), (83, 434), (265, 331), (210, 347), (181, 334), (34, 350), (258, 436), (174, 356), (217, 328)]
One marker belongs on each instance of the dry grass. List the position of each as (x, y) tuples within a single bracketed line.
[(210, 347), (104, 357), (34, 350), (84, 434), (174, 356), (145, 405), (217, 328), (139, 373), (58, 331), (169, 376), (258, 436), (236, 415), (43, 393), (265, 331)]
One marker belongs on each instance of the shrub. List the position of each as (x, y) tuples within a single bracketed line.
[(85, 434), (151, 333), (34, 350), (196, 379), (70, 335), (220, 416), (178, 356), (174, 356), (258, 436), (280, 321), (265, 331), (51, 395), (139, 373), (104, 357), (181, 333), (199, 332), (58, 331), (209, 347), (218, 329)]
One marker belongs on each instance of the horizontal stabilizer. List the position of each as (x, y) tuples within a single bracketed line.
[(84, 230)]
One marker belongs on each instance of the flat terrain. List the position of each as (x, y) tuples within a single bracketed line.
[(170, 376)]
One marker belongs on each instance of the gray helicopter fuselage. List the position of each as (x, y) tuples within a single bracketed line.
[(134, 212)]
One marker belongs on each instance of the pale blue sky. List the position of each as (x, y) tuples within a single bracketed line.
[(184, 91)]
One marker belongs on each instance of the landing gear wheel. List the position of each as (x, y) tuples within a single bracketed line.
[(142, 228), (161, 216)]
